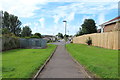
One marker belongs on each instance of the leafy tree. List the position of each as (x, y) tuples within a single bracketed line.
[(11, 24), (38, 34), (26, 32), (5, 31), (66, 35), (89, 26), (80, 32), (60, 35), (15, 24), (6, 19)]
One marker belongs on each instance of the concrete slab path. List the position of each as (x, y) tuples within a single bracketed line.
[(61, 65)]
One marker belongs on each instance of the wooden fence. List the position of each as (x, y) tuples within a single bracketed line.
[(108, 40)]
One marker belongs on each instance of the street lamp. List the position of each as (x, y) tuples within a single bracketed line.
[(65, 28)]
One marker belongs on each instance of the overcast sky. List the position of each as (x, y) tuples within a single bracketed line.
[(46, 17)]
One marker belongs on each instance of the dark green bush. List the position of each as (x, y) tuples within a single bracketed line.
[(89, 41), (10, 43), (49, 41), (34, 36)]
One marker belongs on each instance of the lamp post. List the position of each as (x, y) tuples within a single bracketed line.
[(65, 29)]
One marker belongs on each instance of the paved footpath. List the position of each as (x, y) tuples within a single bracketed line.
[(61, 65)]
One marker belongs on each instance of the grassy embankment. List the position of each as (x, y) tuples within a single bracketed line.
[(100, 61)]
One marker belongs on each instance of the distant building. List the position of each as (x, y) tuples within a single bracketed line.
[(111, 25), (99, 31), (49, 37)]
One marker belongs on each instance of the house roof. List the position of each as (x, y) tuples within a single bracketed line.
[(47, 35), (111, 21)]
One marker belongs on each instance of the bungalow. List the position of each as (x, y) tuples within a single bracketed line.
[(111, 25)]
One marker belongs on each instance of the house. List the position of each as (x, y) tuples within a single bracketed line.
[(99, 31), (111, 25), (49, 37)]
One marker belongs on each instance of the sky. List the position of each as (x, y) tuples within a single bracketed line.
[(46, 16)]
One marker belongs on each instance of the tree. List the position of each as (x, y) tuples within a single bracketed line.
[(26, 32), (66, 36), (38, 34), (89, 26), (11, 23), (15, 24), (6, 19), (5, 31), (79, 32), (60, 35)]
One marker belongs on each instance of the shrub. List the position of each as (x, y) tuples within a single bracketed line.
[(38, 34), (89, 41), (10, 43), (49, 41), (34, 36)]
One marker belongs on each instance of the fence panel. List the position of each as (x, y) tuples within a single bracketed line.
[(106, 40)]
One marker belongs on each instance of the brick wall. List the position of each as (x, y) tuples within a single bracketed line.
[(109, 28)]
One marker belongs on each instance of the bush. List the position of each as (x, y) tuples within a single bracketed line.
[(34, 36), (49, 41), (10, 43), (38, 34), (89, 41)]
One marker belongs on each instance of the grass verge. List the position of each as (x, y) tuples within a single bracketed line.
[(100, 61), (23, 63)]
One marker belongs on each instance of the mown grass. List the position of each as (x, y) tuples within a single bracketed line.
[(100, 61), (23, 63)]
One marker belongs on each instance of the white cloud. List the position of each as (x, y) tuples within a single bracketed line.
[(55, 29), (70, 17), (56, 18), (101, 18), (42, 21), (86, 17), (83, 0), (27, 8), (36, 24), (68, 11), (21, 8)]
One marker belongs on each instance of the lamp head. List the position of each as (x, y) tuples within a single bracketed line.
[(64, 21)]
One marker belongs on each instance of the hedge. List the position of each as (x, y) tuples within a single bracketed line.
[(10, 43)]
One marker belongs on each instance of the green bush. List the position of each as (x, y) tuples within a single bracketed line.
[(38, 34), (10, 43), (89, 41), (49, 41), (34, 36)]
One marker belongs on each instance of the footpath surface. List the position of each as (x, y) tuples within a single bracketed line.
[(61, 65)]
